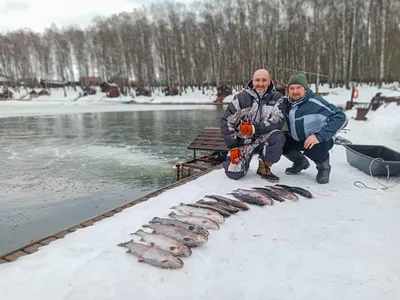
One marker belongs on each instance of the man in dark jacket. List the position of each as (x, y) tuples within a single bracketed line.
[(312, 124), (252, 124)]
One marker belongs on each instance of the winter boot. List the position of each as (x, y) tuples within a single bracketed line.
[(264, 170), (300, 162), (324, 169)]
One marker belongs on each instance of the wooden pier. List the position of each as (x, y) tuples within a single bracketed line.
[(209, 140)]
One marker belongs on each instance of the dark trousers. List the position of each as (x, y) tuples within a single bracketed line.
[(318, 153), (268, 147)]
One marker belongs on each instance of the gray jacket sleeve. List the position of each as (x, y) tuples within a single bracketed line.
[(229, 123)]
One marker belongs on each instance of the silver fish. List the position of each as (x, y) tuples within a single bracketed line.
[(253, 197), (235, 203), (227, 207), (221, 211), (153, 256), (200, 212), (270, 193), (180, 234), (296, 189), (288, 196), (190, 227), (201, 221), (164, 243)]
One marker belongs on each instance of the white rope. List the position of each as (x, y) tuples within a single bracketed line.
[(364, 186)]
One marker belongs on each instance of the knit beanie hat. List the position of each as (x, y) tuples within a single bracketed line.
[(298, 78)]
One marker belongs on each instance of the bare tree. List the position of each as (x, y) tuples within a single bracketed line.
[(212, 42)]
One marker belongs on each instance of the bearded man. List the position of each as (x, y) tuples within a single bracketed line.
[(312, 123)]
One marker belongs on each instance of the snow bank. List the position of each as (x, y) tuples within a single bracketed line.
[(382, 127)]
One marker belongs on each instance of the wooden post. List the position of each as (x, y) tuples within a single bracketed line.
[(351, 99), (178, 171)]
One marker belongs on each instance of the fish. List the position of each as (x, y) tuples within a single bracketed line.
[(231, 209), (270, 193), (152, 256), (164, 243), (180, 234), (193, 228), (201, 221), (221, 211), (238, 204), (253, 197), (200, 212), (288, 196), (296, 189)]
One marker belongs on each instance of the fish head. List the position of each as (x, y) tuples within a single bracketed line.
[(186, 251), (203, 231), (201, 239), (171, 262), (177, 251)]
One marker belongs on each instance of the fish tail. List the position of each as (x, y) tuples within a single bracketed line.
[(139, 232), (154, 220), (125, 243)]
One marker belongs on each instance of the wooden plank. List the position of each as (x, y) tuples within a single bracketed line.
[(15, 255), (194, 166), (62, 234), (211, 161), (72, 229), (48, 241), (2, 261), (88, 223), (128, 205), (110, 213), (33, 248), (99, 218), (209, 139)]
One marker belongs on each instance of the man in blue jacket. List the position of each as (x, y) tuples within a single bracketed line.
[(312, 124)]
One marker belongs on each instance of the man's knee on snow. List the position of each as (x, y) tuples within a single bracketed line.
[(233, 175)]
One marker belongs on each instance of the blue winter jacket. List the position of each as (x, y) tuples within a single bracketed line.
[(313, 115)]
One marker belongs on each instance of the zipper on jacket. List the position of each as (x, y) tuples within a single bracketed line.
[(292, 121)]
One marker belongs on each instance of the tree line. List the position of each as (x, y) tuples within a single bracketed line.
[(217, 42)]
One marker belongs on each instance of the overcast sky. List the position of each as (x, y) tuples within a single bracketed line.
[(39, 14)]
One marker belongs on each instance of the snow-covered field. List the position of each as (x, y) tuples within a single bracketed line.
[(57, 103), (343, 244)]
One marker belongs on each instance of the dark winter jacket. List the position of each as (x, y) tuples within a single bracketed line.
[(313, 115), (266, 114)]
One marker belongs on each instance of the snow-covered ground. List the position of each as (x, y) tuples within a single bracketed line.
[(343, 244)]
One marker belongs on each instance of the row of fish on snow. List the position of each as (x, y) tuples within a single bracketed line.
[(173, 238)]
